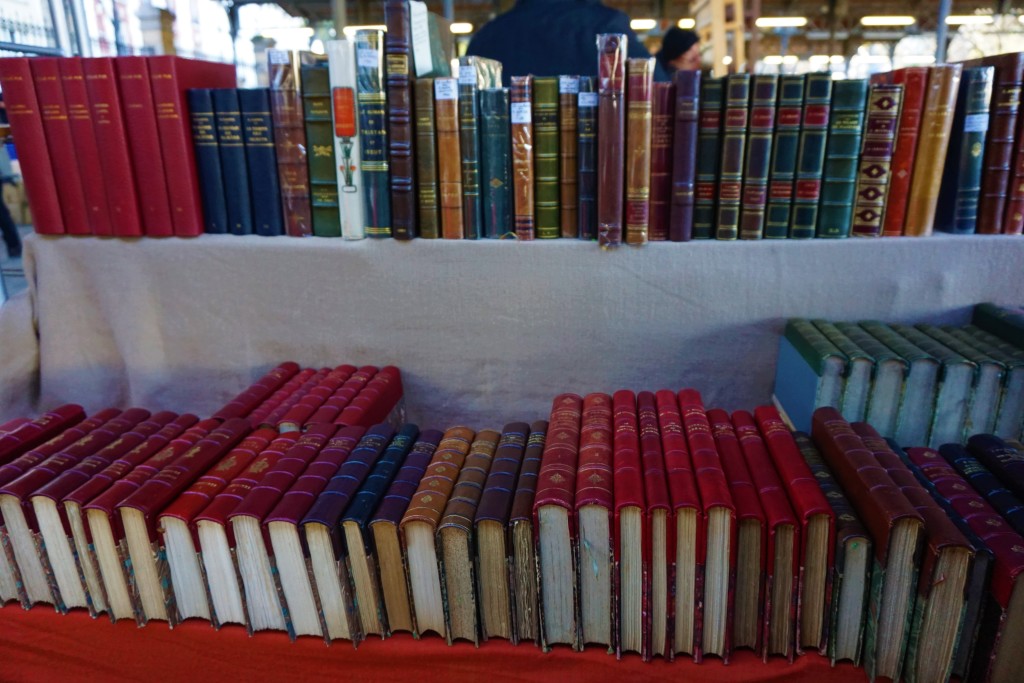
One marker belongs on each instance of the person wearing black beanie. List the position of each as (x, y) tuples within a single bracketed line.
[(680, 49)]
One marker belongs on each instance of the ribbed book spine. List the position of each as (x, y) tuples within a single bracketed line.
[(640, 83), (611, 122), (373, 132), (734, 146), (568, 139), (521, 118), (496, 163), (1013, 220), (341, 60), (586, 158), (204, 139), (996, 177), (764, 93), (782, 172), (875, 167), (232, 160), (323, 178), (261, 161), (846, 126), (663, 100), (545, 159), (290, 142), (401, 152), (426, 160), (684, 155), (709, 156), (449, 157), (469, 148), (915, 82), (811, 156)]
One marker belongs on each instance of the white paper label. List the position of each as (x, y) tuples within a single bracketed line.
[(278, 56), (368, 57), (446, 89), (520, 112), (568, 85), (419, 29), (976, 123), (467, 75), (588, 99)]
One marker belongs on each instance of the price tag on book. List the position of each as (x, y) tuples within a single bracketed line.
[(278, 56), (368, 57), (588, 99), (568, 85), (520, 112), (976, 123), (467, 75), (446, 89), (419, 26)]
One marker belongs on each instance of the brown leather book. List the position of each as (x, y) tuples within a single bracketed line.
[(526, 624), (449, 156), (521, 117), (640, 75), (426, 160), (611, 122), (568, 92)]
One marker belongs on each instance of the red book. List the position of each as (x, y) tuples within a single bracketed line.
[(300, 412), (914, 80), (171, 79), (11, 425), (658, 544), (343, 396), (259, 417), (376, 401), (139, 112), (663, 115), (115, 163), (19, 439), (632, 544), (293, 399), (258, 392)]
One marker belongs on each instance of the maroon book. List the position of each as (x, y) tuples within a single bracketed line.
[(658, 543), (632, 536), (343, 395), (915, 81), (300, 412), (376, 401), (661, 160), (684, 154), (28, 434), (274, 418), (258, 392), (611, 144), (259, 417)]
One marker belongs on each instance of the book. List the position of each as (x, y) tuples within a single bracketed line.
[(342, 398), (639, 86), (658, 518), (959, 194), (323, 175), (431, 54), (22, 437), (259, 395), (524, 580), (859, 369), (810, 160), (495, 163), (376, 402), (995, 492), (586, 157), (568, 140), (428, 219), (764, 92), (289, 141), (631, 552), (234, 171), (785, 146), (933, 141), (480, 73), (810, 372), (545, 157), (684, 154), (300, 412), (371, 108), (269, 412), (521, 118), (887, 382), (1002, 460), (1006, 322), (400, 70), (611, 121), (341, 64), (874, 171), (1011, 404), (709, 156), (449, 157), (1013, 219), (208, 165), (419, 526), (914, 80), (735, 120), (842, 151), (309, 381)]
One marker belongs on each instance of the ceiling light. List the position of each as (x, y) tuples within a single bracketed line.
[(887, 21), (687, 23), (962, 19), (642, 24), (462, 27), (780, 22), (837, 59), (818, 59), (773, 59), (727, 60)]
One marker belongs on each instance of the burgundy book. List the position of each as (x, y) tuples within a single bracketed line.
[(301, 411), (658, 543), (640, 84), (32, 433), (37, 169), (259, 417), (376, 401), (661, 160), (401, 155), (631, 547), (13, 424), (343, 395), (915, 82), (1013, 221), (526, 623), (86, 149), (684, 155), (274, 418), (259, 391), (686, 537), (611, 144)]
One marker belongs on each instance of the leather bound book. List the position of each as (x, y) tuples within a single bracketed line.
[(944, 570), (860, 366), (709, 156), (851, 577), (290, 141), (299, 414), (112, 138), (751, 545), (631, 576), (323, 175), (18, 440), (449, 157), (817, 531), (784, 155), (896, 530), (999, 142), (401, 151), (810, 160), (586, 158), (233, 168), (568, 140), (391, 560), (343, 396), (555, 525), (639, 124), (371, 105), (277, 414), (886, 380), (84, 148), (60, 141), (688, 535), (657, 518), (764, 93), (1011, 406), (521, 118), (1004, 461), (456, 540), (260, 414), (810, 372), (735, 120), (933, 141), (781, 560), (526, 605), (259, 391), (376, 402), (842, 152), (429, 221), (1006, 322), (991, 488), (611, 145), (208, 166), (495, 163), (480, 73), (875, 169), (960, 192), (261, 161), (684, 154), (1013, 220), (494, 557), (595, 505), (914, 80), (11, 425), (545, 157), (419, 526), (341, 64)]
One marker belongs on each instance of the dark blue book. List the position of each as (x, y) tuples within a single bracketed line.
[(586, 158), (204, 139), (258, 134), (985, 483), (232, 160), (1000, 459), (496, 163), (371, 107)]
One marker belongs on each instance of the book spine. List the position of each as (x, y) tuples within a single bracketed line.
[(628, 488), (995, 181), (261, 161), (469, 148), (526, 483), (426, 160), (259, 391), (373, 133), (341, 60), (876, 159), (784, 155), (401, 153), (568, 139), (661, 160), (611, 122), (985, 483), (231, 145), (379, 480), (734, 144), (323, 178), (915, 83), (428, 503), (545, 157), (290, 143), (204, 137), (709, 156), (322, 494), (586, 157), (449, 157), (496, 163), (500, 487), (1002, 459), (396, 500), (22, 434), (521, 117), (764, 93), (684, 154), (639, 109), (1013, 220), (811, 156), (556, 479), (465, 500), (842, 151)]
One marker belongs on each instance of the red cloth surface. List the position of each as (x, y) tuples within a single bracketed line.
[(41, 645)]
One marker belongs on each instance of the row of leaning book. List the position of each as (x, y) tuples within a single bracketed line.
[(640, 522)]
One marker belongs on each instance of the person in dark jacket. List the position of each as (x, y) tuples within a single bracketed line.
[(680, 49), (553, 38)]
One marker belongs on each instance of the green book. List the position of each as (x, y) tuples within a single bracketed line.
[(889, 371), (810, 158), (734, 145), (842, 154), (545, 158), (784, 150), (709, 153), (764, 93), (860, 366), (323, 178), (810, 372)]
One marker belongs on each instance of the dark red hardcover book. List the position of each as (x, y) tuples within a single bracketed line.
[(661, 160), (259, 391), (631, 534), (274, 418), (9, 426), (659, 543), (401, 153), (260, 417), (684, 155), (343, 396), (915, 81), (86, 149), (611, 144), (301, 411), (376, 401), (1013, 221), (32, 433)]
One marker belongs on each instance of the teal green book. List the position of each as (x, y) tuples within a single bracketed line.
[(842, 154), (734, 146), (785, 146), (545, 157), (709, 150), (323, 178), (810, 164)]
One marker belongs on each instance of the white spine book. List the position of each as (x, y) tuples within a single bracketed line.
[(341, 60)]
